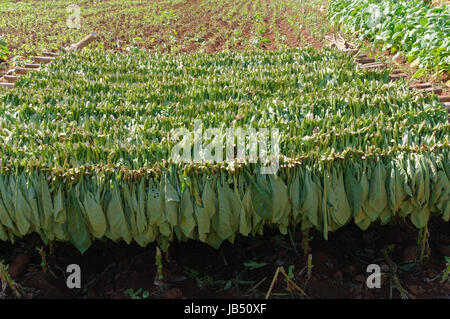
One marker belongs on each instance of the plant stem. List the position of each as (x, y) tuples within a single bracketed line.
[(159, 264), (292, 241), (424, 243), (51, 248), (445, 275), (393, 268), (305, 242), (309, 267), (5, 275), (44, 261)]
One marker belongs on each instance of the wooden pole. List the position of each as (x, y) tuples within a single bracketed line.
[(435, 90), (84, 42), (43, 59), (50, 54), (420, 86), (398, 76), (444, 98), (10, 78), (365, 60), (375, 65), (32, 66), (24, 70)]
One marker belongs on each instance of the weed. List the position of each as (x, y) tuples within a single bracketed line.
[(137, 294)]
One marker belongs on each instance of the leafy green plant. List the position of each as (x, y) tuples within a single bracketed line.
[(137, 294), (42, 17), (258, 41), (3, 50), (202, 282), (290, 274), (291, 271), (167, 16), (6, 278), (418, 30), (206, 281)]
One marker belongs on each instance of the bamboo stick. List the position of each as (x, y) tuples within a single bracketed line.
[(272, 284), (435, 90), (444, 98), (398, 76), (43, 59), (20, 70), (84, 42), (420, 86), (50, 54), (365, 60), (10, 78), (32, 66), (375, 65)]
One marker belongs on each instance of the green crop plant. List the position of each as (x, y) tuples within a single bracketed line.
[(6, 280), (419, 31), (86, 145), (137, 294), (32, 27), (446, 271), (3, 50)]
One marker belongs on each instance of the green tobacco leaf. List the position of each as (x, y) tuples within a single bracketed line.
[(224, 229), (76, 227), (22, 209), (311, 205), (281, 206), (59, 207), (141, 217), (118, 226), (377, 199), (205, 214), (95, 215), (261, 199), (46, 202), (354, 191), (172, 203), (187, 222), (245, 225)]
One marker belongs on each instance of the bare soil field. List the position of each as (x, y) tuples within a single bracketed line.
[(31, 27), (243, 270)]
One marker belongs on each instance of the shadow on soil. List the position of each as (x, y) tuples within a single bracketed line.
[(245, 269)]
